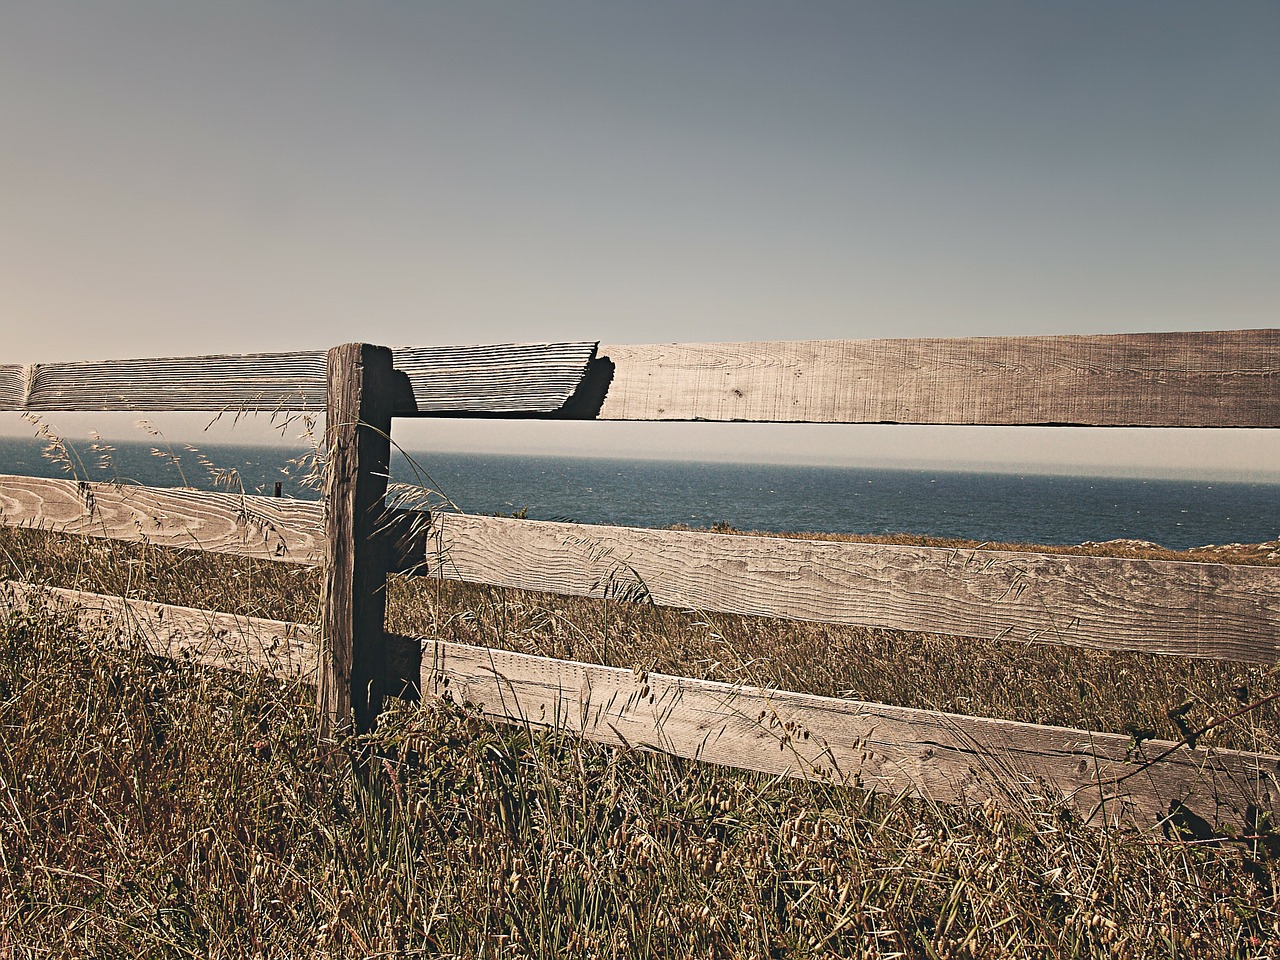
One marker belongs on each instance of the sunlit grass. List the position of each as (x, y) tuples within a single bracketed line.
[(151, 808)]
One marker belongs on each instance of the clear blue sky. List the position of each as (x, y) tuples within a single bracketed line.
[(183, 178)]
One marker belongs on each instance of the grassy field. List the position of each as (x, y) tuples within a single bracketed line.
[(151, 808)]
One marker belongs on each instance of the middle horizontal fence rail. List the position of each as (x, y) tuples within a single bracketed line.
[(1110, 603), (266, 528)]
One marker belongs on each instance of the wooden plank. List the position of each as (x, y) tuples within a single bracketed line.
[(511, 379), (12, 386), (1185, 609), (493, 380), (267, 528), (353, 597), (1212, 379), (946, 757), (943, 756), (265, 381), (224, 640)]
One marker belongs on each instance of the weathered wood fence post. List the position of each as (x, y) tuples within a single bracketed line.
[(351, 679)]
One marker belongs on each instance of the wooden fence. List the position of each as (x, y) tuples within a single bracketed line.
[(1219, 379)]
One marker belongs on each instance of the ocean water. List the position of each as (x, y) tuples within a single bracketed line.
[(978, 506)]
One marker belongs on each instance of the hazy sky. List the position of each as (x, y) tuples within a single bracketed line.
[(184, 178)]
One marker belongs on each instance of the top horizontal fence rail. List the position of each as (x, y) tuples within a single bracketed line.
[(1207, 379), (501, 379), (1213, 379)]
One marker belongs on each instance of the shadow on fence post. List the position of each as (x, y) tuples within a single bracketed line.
[(351, 677)]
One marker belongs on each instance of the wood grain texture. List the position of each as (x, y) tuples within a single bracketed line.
[(496, 380), (12, 386), (265, 381), (353, 597), (1187, 609), (520, 379), (891, 749), (888, 749), (267, 528), (1214, 379), (224, 640)]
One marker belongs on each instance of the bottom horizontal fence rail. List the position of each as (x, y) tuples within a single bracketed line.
[(225, 640), (945, 757)]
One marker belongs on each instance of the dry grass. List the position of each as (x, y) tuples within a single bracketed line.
[(155, 809), (1253, 554)]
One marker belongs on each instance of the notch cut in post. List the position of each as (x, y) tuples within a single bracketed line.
[(351, 677)]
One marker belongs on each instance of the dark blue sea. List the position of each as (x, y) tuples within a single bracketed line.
[(979, 506)]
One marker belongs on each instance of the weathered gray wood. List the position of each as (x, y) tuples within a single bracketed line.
[(353, 596), (495, 380), (266, 381), (1215, 379), (1187, 609), (943, 756), (267, 528), (12, 386), (247, 644), (517, 379), (1210, 379), (890, 749)]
